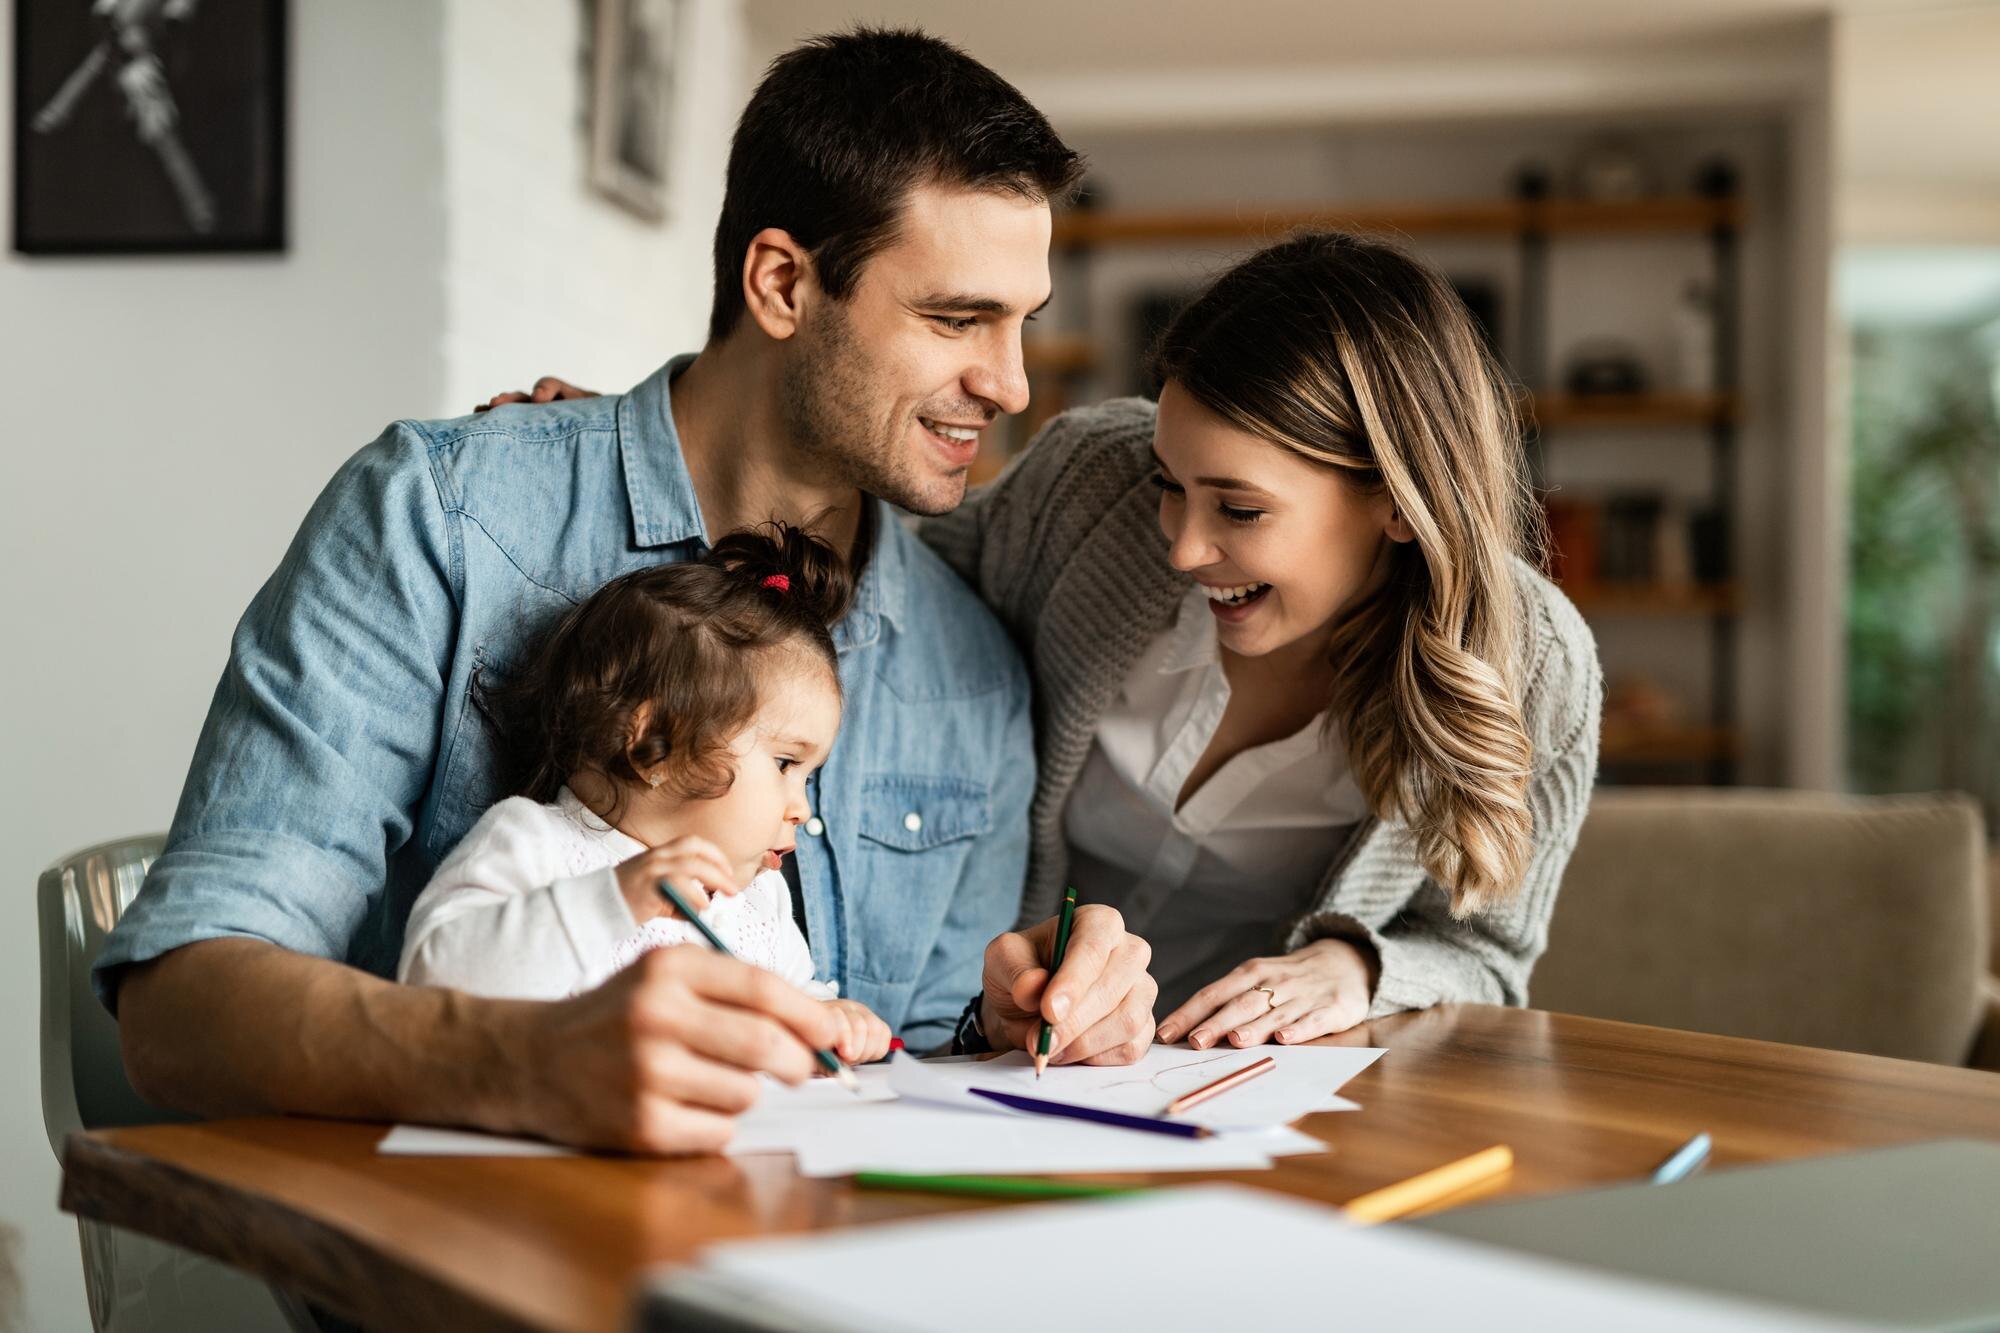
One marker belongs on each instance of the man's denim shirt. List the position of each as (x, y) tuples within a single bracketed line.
[(343, 755)]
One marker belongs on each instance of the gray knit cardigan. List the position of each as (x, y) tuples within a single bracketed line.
[(1066, 548)]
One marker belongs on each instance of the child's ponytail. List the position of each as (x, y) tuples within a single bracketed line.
[(791, 565), (687, 644)]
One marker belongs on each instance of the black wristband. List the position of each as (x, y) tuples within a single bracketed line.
[(969, 1038)]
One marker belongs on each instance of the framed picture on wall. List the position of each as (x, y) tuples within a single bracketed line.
[(149, 126), (631, 99)]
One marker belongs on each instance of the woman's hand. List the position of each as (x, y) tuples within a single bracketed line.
[(1323, 988), (548, 389), (864, 1038), (694, 866)]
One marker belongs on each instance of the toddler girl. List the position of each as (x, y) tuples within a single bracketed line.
[(663, 730)]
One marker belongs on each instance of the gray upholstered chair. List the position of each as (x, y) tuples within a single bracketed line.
[(134, 1283), (1856, 923)]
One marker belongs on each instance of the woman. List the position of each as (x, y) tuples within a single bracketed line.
[(1306, 714)]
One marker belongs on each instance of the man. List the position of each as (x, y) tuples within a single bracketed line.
[(883, 237)]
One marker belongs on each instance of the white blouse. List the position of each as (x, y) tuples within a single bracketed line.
[(527, 907), (1209, 885)]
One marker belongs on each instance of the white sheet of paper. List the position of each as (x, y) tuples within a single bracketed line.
[(1309, 1269), (428, 1141), (1306, 1080), (833, 1133)]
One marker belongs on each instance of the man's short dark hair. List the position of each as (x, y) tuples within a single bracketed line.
[(845, 126)]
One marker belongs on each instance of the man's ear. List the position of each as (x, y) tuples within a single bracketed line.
[(776, 273)]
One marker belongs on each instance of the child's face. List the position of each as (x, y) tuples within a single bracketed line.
[(755, 822)]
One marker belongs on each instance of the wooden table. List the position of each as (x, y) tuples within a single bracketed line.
[(559, 1244)]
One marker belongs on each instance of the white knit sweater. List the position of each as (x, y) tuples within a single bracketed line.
[(527, 907)]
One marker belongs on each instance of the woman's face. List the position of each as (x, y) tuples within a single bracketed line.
[(1279, 544)]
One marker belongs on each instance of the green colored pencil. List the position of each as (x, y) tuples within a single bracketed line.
[(828, 1060), (990, 1187), (1063, 924)]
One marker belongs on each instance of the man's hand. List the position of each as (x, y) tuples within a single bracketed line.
[(548, 389), (662, 1057), (1101, 1001), (655, 1060)]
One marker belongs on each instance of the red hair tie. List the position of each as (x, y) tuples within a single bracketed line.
[(782, 582)]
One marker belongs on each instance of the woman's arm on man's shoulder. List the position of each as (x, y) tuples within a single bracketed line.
[(1079, 463)]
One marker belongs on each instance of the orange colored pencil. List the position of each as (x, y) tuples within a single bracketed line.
[(1420, 1191), (1221, 1085)]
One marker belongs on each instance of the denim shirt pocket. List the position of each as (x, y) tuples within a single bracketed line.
[(915, 833), (471, 780)]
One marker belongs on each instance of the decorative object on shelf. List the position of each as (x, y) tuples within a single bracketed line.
[(1482, 301), (1631, 527), (1708, 544), (1694, 338), (1152, 311), (149, 126), (1673, 556), (1716, 178), (1638, 703), (1612, 169), (1532, 180), (1604, 367), (1573, 527), (631, 101)]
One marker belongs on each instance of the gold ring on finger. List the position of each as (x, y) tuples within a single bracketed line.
[(1270, 995)]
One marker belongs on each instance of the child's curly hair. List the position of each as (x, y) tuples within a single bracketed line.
[(687, 644)]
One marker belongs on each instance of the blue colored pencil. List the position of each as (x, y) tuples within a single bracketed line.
[(828, 1060), (1179, 1129), (1686, 1160)]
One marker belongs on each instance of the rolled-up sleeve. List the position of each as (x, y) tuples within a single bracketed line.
[(322, 735)]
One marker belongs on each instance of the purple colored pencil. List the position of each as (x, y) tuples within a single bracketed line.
[(1179, 1129)]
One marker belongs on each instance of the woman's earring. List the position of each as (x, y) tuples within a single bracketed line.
[(656, 779)]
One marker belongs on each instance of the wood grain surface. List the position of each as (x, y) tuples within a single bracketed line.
[(561, 1243)]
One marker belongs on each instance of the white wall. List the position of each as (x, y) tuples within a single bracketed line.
[(1917, 157), (545, 276), (169, 421)]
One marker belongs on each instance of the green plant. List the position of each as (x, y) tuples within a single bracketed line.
[(1924, 591)]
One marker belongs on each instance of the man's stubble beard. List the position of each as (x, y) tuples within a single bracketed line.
[(827, 385)]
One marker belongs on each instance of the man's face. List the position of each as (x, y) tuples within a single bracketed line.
[(890, 388)]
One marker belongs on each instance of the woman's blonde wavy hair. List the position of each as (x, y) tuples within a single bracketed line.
[(1358, 356)]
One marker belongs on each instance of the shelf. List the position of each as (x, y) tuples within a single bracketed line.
[(1643, 409), (1498, 217), (1655, 599), (1627, 744), (1058, 354)]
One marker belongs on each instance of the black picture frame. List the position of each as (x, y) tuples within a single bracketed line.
[(209, 82)]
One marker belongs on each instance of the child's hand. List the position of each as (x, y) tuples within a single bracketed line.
[(864, 1038), (694, 866)]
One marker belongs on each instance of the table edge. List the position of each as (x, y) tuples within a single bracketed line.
[(376, 1290)]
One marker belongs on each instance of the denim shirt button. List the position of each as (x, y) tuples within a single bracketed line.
[(815, 826), (913, 821)]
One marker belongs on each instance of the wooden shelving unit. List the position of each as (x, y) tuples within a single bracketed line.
[(1669, 745), (1058, 354), (1504, 217), (1565, 410), (1656, 599)]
